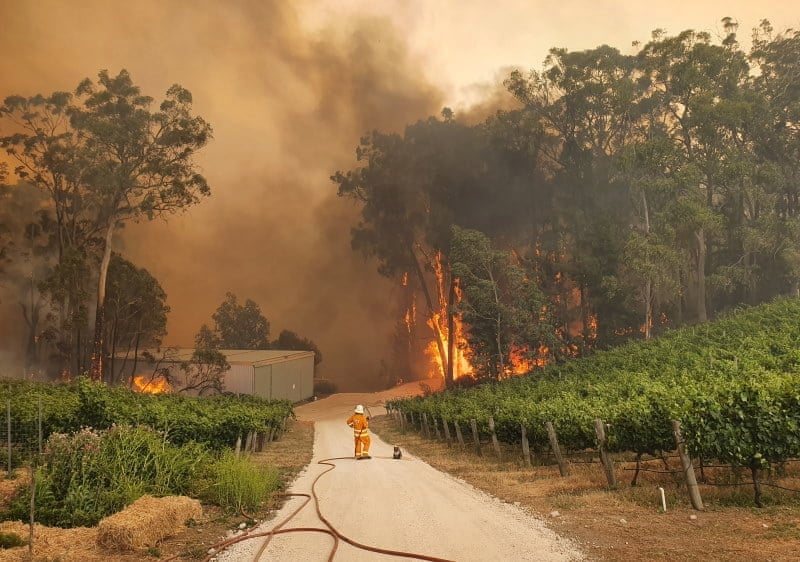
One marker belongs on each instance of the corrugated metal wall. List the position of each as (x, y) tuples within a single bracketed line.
[(239, 379), (287, 380)]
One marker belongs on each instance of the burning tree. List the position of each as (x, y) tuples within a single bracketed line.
[(508, 329), (412, 189)]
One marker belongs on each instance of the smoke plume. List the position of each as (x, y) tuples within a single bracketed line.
[(287, 104)]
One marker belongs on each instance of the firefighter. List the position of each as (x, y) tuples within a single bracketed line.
[(360, 424)]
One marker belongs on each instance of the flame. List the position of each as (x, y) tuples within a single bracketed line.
[(461, 366), (156, 385), (521, 360)]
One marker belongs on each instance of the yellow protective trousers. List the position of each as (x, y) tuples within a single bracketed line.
[(360, 427), (362, 444)]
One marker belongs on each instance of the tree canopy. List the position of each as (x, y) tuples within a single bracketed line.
[(104, 156), (634, 192)]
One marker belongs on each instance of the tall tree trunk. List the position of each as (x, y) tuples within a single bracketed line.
[(700, 302), (498, 326), (437, 333), (135, 357), (99, 340), (648, 287), (112, 374), (451, 340)]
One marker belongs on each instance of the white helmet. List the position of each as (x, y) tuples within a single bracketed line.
[(359, 409)]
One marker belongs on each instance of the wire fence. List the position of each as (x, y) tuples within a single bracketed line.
[(21, 439)]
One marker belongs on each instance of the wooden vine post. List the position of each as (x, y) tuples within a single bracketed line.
[(495, 442), (474, 425), (551, 435), (688, 469), (526, 447), (608, 464), (436, 428), (447, 432), (459, 436), (426, 430)]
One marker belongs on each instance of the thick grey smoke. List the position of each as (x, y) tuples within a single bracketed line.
[(287, 106)]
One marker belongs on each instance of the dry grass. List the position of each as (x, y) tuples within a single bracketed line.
[(628, 523), (290, 454)]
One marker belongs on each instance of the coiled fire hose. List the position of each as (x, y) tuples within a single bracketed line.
[(330, 530)]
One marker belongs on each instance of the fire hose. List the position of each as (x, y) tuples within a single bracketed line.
[(330, 530)]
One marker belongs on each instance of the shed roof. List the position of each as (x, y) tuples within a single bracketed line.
[(255, 357)]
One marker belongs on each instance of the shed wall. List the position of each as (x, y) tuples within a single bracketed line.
[(240, 379)]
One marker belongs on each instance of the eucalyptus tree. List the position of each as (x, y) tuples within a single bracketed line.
[(290, 340), (45, 149), (650, 261), (698, 87), (501, 306), (105, 157), (26, 253), (411, 189), (236, 326), (585, 102), (777, 59), (136, 311), (141, 162)]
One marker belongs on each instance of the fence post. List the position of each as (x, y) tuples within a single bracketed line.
[(474, 425), (688, 469), (8, 443), (495, 443), (33, 511), (608, 464), (402, 421), (551, 435), (40, 425), (436, 428), (238, 446), (526, 448), (447, 432), (426, 430), (459, 436)]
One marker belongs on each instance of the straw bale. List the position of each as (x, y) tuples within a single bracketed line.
[(147, 521), (50, 542)]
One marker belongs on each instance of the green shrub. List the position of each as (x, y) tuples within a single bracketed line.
[(238, 484), (88, 475), (11, 540)]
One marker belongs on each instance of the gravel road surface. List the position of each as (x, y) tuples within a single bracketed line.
[(401, 505)]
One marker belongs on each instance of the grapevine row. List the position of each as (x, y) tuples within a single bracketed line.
[(733, 383)]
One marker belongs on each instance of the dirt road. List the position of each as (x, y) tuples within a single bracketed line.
[(400, 505)]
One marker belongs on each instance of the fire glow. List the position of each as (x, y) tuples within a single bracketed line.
[(520, 359), (151, 385)]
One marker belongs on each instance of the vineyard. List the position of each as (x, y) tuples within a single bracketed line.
[(733, 384), (38, 410)]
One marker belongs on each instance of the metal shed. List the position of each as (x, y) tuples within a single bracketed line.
[(272, 373)]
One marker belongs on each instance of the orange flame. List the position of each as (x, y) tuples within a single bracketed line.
[(156, 385), (461, 366)]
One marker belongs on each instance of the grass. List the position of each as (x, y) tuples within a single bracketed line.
[(289, 455), (627, 523)]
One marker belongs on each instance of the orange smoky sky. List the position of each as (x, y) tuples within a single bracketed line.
[(289, 87)]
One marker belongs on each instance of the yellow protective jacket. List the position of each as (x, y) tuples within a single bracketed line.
[(359, 424)]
